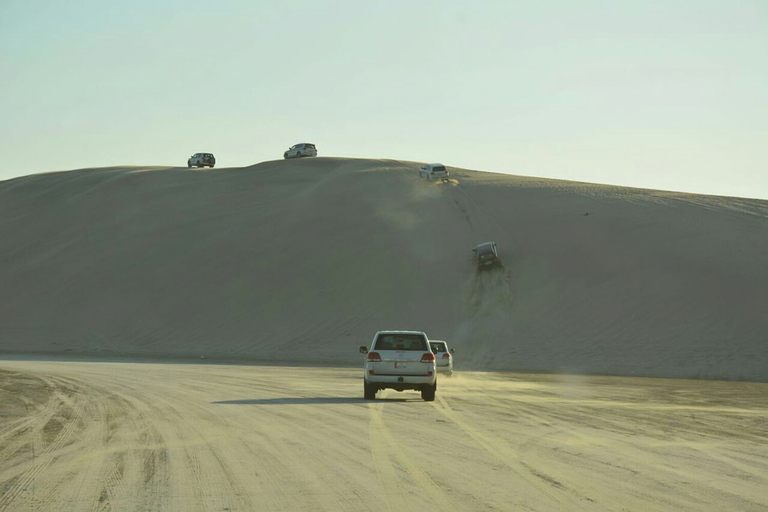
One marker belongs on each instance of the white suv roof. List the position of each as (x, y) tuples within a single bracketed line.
[(399, 332)]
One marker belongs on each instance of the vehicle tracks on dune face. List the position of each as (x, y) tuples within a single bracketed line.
[(481, 223), (387, 451), (490, 292), (539, 482)]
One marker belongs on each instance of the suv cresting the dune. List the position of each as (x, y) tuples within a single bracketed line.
[(301, 150), (433, 172)]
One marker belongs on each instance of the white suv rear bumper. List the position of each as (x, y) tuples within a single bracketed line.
[(401, 381)]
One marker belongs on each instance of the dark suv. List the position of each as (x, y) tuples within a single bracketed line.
[(487, 255)]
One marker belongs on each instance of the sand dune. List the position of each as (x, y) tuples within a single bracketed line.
[(304, 260)]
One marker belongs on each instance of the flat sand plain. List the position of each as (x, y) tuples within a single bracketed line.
[(125, 436)]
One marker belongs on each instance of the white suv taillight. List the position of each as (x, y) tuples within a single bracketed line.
[(429, 357), (374, 356)]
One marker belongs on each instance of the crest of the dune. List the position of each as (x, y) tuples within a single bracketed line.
[(304, 260)]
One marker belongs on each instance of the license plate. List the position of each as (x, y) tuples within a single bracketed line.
[(400, 365)]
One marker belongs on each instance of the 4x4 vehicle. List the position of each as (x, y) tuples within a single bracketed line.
[(399, 360), (300, 150), (433, 172), (201, 160), (487, 254), (443, 356)]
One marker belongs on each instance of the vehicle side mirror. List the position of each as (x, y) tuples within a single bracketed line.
[(363, 349), (453, 350)]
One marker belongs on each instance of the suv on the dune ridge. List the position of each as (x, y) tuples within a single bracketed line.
[(433, 172), (201, 160), (399, 360), (300, 150)]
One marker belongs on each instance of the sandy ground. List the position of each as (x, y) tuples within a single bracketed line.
[(126, 436), (318, 254)]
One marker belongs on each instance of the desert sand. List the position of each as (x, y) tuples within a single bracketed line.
[(301, 261), (129, 292), (125, 436)]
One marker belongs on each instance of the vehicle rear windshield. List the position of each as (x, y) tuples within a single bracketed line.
[(401, 342), (438, 347), (439, 168)]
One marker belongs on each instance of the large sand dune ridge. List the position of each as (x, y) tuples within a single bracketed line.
[(302, 261)]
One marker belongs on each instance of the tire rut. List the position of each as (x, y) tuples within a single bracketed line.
[(384, 446), (541, 483)]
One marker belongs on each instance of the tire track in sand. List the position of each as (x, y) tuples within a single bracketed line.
[(539, 481), (58, 426), (383, 447)]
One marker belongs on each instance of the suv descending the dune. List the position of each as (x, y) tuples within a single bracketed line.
[(487, 255), (399, 360)]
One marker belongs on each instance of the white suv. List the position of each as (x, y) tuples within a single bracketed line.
[(300, 150), (443, 356), (399, 360), (201, 160), (433, 172)]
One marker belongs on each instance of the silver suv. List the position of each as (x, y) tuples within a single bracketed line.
[(300, 150), (443, 356), (433, 172), (399, 360), (201, 160)]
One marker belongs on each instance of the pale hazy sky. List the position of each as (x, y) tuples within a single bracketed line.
[(669, 94)]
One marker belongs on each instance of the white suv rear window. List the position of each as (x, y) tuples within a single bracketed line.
[(400, 342)]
